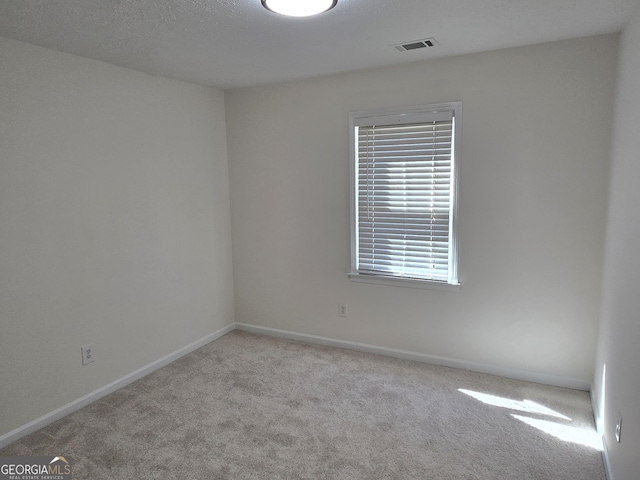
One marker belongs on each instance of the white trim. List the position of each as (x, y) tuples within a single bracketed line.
[(105, 390), (405, 282), (605, 459), (370, 117), (404, 116), (599, 421), (38, 423), (596, 410), (554, 380)]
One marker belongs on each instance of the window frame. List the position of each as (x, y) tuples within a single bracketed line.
[(399, 115)]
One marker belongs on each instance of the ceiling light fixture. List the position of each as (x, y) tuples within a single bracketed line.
[(299, 8)]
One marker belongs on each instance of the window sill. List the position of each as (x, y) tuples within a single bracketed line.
[(404, 282)]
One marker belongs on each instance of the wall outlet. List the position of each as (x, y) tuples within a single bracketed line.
[(343, 311), (618, 430), (88, 354)]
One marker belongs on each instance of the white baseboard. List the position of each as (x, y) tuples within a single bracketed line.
[(595, 407), (105, 390), (554, 380), (605, 459), (599, 427)]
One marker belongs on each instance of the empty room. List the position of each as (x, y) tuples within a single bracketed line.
[(263, 239)]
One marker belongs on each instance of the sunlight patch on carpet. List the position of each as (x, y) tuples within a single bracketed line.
[(526, 406), (567, 433)]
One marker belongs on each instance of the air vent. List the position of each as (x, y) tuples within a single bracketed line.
[(416, 44)]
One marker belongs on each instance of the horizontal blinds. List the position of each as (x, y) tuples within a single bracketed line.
[(404, 178)]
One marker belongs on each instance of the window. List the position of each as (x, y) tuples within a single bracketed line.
[(404, 189)]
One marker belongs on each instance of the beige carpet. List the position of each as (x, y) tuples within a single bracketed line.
[(253, 407)]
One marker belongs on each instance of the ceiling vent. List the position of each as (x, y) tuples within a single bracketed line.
[(416, 44)]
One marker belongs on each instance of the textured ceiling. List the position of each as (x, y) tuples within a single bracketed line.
[(234, 43)]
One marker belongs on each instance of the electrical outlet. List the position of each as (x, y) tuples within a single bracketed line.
[(88, 354), (342, 310), (618, 430)]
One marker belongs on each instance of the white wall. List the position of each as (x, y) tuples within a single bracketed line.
[(533, 193), (619, 343), (114, 224)]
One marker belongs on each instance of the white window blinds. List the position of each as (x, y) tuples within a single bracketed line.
[(405, 195)]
